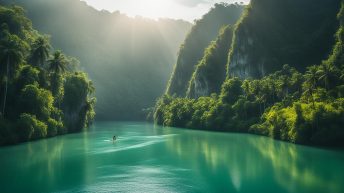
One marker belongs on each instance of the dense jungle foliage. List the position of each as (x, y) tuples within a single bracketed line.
[(42, 92), (300, 107)]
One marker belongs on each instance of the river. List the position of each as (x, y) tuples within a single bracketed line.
[(148, 158)]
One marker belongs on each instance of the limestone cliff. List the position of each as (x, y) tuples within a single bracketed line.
[(203, 32), (276, 32), (211, 70)]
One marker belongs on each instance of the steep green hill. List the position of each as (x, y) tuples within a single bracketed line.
[(273, 33), (211, 70), (302, 102), (129, 59), (41, 93), (203, 32)]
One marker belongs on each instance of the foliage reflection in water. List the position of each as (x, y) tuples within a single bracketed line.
[(147, 158)]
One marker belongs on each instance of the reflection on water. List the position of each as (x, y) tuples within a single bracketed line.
[(46, 164), (248, 158), (298, 167), (154, 159), (24, 156), (228, 160)]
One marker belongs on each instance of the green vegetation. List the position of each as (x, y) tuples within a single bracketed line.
[(129, 60), (273, 33), (39, 96), (202, 33), (300, 107), (211, 70), (282, 105), (239, 105)]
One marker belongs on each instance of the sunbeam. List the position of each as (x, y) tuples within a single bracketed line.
[(154, 9)]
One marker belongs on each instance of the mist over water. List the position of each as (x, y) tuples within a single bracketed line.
[(148, 158)]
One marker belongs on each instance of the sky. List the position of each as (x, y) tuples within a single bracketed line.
[(178, 9)]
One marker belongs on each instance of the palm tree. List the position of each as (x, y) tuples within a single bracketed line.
[(283, 85), (311, 80), (40, 51), (57, 66), (58, 63), (311, 76), (11, 55), (325, 73), (272, 88)]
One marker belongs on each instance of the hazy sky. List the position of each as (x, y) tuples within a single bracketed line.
[(178, 9)]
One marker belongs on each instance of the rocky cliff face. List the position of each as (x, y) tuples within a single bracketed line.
[(242, 62), (277, 32), (211, 70), (200, 36)]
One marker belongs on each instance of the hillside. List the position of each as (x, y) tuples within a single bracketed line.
[(262, 45), (210, 72), (129, 59), (301, 102), (273, 33), (41, 94), (202, 33)]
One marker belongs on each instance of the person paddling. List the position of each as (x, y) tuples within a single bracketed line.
[(114, 138)]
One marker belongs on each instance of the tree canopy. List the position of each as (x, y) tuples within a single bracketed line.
[(298, 102), (31, 91)]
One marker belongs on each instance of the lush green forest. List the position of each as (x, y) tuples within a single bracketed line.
[(128, 59), (43, 93), (237, 70), (202, 33), (249, 97), (302, 102)]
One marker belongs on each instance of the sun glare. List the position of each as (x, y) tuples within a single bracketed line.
[(151, 8), (177, 9)]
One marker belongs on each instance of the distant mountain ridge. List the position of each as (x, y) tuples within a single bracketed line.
[(128, 59)]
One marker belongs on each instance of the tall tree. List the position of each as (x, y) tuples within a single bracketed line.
[(326, 72), (284, 85), (40, 51), (57, 66), (311, 81), (11, 54)]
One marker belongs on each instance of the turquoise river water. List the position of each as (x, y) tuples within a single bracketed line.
[(148, 158)]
